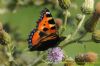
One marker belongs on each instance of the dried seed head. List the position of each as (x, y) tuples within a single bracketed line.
[(96, 36), (92, 21), (38, 2), (90, 57), (90, 24), (88, 6), (79, 59), (68, 13), (79, 17), (2, 42), (58, 22), (4, 36), (98, 8), (64, 4), (69, 62), (1, 27)]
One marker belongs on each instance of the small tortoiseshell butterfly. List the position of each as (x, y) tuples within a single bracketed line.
[(45, 35)]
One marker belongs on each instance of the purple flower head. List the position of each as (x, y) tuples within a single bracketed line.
[(55, 55)]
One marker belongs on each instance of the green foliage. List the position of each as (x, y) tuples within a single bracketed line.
[(24, 20)]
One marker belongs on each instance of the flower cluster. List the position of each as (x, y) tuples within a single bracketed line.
[(55, 55)]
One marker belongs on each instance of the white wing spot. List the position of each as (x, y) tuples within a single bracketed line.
[(47, 12)]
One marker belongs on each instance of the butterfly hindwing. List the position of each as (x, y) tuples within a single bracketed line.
[(42, 42)]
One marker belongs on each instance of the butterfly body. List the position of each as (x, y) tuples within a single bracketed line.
[(45, 35)]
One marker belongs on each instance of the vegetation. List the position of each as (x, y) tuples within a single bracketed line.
[(81, 27)]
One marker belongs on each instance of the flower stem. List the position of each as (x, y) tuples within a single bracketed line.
[(63, 27), (78, 28), (38, 59), (69, 38), (65, 21)]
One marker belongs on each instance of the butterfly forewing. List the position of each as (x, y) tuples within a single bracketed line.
[(47, 23)]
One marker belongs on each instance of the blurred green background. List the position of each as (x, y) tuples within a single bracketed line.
[(21, 18)]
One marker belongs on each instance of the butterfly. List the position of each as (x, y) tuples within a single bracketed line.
[(45, 35)]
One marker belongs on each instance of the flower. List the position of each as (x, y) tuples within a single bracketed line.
[(55, 55), (88, 6)]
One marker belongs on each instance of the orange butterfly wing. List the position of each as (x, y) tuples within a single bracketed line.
[(47, 23), (44, 36)]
